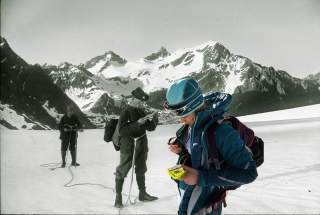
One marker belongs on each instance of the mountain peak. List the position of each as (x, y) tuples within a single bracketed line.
[(163, 52), (103, 61), (210, 43), (111, 56), (65, 64), (3, 41)]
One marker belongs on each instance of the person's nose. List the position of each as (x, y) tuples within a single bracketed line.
[(182, 120)]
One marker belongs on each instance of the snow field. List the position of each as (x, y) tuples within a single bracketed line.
[(288, 181)]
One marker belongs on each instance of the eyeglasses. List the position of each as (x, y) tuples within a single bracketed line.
[(177, 111)]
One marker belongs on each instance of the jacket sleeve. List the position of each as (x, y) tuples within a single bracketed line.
[(152, 124), (79, 123), (240, 168), (127, 128)]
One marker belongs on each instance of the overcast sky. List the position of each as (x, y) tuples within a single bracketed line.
[(284, 34)]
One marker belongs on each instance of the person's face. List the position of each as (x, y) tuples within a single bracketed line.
[(136, 103), (69, 112), (189, 119)]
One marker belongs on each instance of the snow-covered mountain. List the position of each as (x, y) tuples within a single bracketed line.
[(76, 83), (83, 88), (314, 77), (29, 99), (213, 65), (100, 85)]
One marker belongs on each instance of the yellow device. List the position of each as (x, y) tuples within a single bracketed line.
[(177, 172)]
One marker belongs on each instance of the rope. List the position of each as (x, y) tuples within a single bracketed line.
[(55, 165), (52, 166)]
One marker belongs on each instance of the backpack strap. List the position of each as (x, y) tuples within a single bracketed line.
[(213, 154), (219, 197)]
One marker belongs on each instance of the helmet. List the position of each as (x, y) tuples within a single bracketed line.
[(184, 97)]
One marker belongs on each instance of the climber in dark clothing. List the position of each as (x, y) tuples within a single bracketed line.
[(69, 127), (132, 126)]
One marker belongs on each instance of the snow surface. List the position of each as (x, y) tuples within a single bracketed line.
[(288, 181), (311, 111)]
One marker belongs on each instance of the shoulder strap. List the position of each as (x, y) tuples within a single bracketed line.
[(213, 154)]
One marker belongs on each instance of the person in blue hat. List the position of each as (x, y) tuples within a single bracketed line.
[(200, 189)]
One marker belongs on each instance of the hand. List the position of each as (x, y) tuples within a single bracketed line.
[(148, 118), (141, 121), (175, 148), (65, 129), (191, 178)]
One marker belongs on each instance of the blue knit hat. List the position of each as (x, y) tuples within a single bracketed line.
[(184, 97)]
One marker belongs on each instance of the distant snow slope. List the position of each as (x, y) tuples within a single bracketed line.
[(311, 111), (19, 121), (288, 181)]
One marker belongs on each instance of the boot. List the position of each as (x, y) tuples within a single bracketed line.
[(74, 158), (119, 185), (143, 195), (63, 156), (118, 201)]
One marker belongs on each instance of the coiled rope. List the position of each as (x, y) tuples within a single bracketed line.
[(55, 165)]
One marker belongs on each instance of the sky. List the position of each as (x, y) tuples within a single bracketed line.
[(283, 34)]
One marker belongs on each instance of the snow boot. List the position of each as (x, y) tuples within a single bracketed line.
[(63, 156), (143, 195), (119, 185), (74, 158), (118, 201)]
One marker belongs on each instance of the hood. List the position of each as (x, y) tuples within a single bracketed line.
[(217, 104)]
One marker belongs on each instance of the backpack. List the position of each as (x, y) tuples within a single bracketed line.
[(254, 143), (110, 131)]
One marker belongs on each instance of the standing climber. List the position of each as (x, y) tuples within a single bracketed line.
[(132, 126), (69, 126), (202, 188)]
